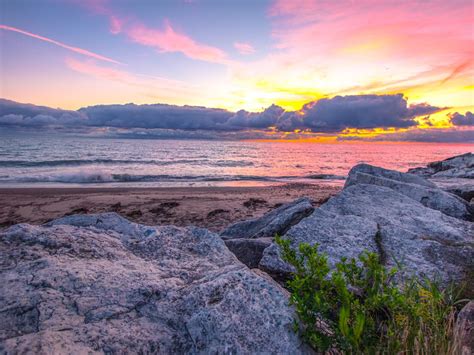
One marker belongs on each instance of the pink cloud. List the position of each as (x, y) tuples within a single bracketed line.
[(142, 82), (165, 40), (170, 40), (116, 25), (419, 29), (244, 48), (385, 39), (60, 44)]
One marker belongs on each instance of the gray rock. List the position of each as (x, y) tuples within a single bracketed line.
[(425, 241), (464, 330), (463, 188), (101, 284), (336, 235), (248, 251), (461, 166), (388, 174), (412, 186), (380, 215), (277, 221)]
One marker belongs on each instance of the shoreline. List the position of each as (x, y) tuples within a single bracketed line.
[(213, 207)]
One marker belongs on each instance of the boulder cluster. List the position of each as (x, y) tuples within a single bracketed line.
[(102, 284)]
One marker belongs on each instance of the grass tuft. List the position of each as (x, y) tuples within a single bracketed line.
[(359, 308)]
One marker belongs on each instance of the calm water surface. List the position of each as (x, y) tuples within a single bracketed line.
[(66, 161)]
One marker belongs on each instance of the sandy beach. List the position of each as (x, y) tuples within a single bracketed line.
[(210, 207)]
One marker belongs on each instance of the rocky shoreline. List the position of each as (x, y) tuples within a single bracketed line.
[(102, 284)]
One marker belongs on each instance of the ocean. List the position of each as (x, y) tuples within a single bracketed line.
[(57, 161)]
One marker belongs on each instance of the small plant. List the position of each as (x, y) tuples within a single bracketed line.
[(358, 307)]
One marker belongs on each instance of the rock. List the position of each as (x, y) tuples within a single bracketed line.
[(412, 186), (101, 284), (248, 251), (388, 174), (277, 221), (381, 214), (425, 241), (336, 235), (463, 188), (464, 330), (461, 166)]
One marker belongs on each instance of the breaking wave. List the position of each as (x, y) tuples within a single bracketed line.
[(111, 162), (103, 177)]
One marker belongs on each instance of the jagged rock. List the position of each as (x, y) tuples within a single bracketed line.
[(426, 242), (464, 188), (248, 251), (412, 186), (388, 174), (461, 166), (99, 283), (336, 235), (278, 221), (464, 330), (388, 220)]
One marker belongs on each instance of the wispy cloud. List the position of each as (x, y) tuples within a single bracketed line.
[(244, 48), (60, 44), (147, 84), (167, 39)]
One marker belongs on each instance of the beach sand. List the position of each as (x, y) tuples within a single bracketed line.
[(209, 207)]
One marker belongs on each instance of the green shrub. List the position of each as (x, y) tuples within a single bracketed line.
[(358, 307)]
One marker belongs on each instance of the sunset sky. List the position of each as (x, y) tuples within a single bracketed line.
[(249, 55)]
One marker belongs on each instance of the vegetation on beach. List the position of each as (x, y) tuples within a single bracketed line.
[(361, 307)]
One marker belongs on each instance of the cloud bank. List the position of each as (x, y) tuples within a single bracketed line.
[(328, 116), (356, 111), (458, 119)]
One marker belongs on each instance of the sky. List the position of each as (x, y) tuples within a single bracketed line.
[(317, 70)]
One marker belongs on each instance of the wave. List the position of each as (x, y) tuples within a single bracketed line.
[(103, 178), (80, 162)]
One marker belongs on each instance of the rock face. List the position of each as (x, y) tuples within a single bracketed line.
[(413, 187), (463, 188), (454, 175), (101, 284), (464, 330), (336, 235), (275, 222), (461, 166), (404, 218)]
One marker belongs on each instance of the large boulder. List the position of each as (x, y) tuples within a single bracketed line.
[(412, 186), (384, 212), (461, 166), (278, 221), (101, 284), (424, 241)]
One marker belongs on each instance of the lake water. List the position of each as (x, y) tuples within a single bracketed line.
[(69, 161)]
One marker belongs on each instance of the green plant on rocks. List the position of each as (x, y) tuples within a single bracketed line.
[(359, 308)]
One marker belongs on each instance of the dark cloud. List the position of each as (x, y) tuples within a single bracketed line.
[(325, 116), (458, 119), (265, 119), (362, 111), (156, 116), (290, 121), (26, 115)]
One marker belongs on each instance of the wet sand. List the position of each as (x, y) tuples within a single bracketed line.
[(209, 207)]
